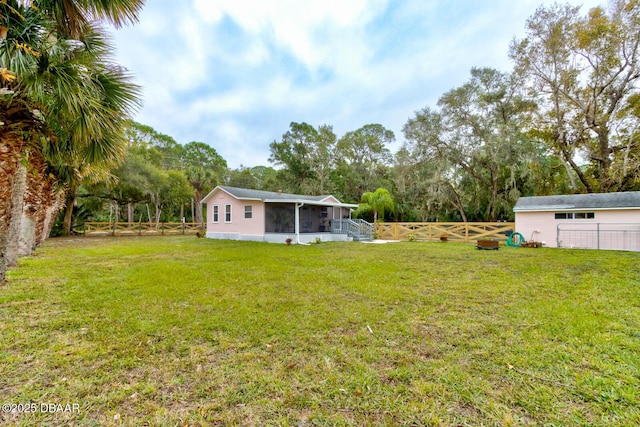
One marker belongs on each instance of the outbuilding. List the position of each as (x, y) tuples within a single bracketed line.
[(591, 221)]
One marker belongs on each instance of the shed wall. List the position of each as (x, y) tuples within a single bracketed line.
[(542, 226)]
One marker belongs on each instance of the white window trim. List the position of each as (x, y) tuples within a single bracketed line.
[(215, 212), (230, 213), (250, 212), (572, 216)]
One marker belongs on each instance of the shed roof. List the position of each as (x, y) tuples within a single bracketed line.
[(595, 201), (274, 197)]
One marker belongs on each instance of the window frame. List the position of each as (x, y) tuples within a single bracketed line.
[(215, 214), (248, 210), (574, 215), (584, 215), (227, 213)]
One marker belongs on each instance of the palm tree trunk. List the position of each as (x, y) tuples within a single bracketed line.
[(42, 201), (51, 199), (198, 208), (68, 213), (11, 147), (199, 217), (50, 213), (17, 203)]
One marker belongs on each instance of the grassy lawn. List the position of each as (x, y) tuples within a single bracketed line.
[(183, 331)]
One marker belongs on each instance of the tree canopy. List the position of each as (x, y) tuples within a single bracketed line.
[(378, 201), (582, 71)]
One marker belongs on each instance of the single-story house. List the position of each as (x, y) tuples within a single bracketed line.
[(593, 221), (244, 214)]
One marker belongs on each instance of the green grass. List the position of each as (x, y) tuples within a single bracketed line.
[(186, 331)]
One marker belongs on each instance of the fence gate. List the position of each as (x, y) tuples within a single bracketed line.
[(616, 236)]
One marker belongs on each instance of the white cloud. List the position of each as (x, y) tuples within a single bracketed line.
[(309, 30), (235, 73)]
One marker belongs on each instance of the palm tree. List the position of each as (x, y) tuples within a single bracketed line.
[(202, 180), (59, 92), (17, 120), (378, 201), (204, 170), (71, 17), (43, 196)]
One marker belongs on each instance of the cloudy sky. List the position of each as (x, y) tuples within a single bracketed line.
[(235, 73)]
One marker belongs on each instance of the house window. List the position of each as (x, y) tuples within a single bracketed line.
[(575, 215), (248, 212), (215, 217), (227, 213)]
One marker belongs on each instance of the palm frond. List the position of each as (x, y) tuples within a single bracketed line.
[(72, 16), (118, 12), (78, 93)]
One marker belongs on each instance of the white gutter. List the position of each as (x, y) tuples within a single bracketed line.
[(298, 206), (311, 203), (572, 208)]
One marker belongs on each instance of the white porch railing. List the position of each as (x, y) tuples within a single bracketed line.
[(357, 228)]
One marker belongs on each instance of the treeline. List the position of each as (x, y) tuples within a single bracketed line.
[(161, 180), (565, 120), (157, 180)]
